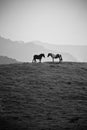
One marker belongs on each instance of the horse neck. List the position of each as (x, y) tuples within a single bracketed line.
[(49, 54), (42, 55)]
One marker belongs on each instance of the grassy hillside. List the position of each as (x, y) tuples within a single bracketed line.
[(43, 96)]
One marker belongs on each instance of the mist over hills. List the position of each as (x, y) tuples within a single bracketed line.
[(24, 51), (19, 50), (6, 60), (79, 52)]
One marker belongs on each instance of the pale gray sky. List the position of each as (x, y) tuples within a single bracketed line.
[(52, 21)]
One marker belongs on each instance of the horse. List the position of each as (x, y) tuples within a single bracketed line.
[(39, 57), (55, 56)]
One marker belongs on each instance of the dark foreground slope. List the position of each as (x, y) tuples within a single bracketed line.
[(43, 96)]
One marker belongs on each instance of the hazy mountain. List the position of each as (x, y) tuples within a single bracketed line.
[(6, 60), (19, 50), (25, 51), (78, 52)]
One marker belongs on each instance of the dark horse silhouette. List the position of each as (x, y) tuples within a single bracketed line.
[(39, 57), (55, 56)]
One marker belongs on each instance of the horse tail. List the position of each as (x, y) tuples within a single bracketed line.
[(33, 59), (60, 58)]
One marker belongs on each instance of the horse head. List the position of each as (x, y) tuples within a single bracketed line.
[(49, 54), (43, 55)]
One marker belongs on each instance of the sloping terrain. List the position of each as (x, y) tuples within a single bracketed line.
[(43, 96)]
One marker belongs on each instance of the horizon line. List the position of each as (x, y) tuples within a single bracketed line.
[(38, 41)]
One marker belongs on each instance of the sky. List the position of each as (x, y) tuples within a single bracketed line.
[(51, 21)]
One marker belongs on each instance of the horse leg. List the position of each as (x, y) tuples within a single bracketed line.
[(40, 60), (53, 59), (59, 60), (33, 60)]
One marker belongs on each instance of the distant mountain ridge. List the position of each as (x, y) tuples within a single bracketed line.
[(19, 50), (24, 51), (6, 60), (79, 52)]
